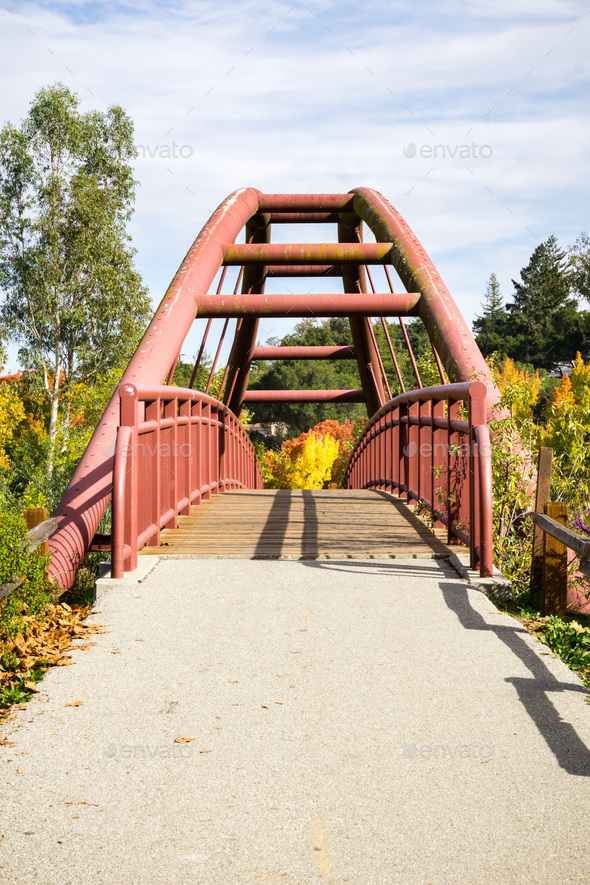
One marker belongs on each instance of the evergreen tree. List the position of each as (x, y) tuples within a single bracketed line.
[(490, 329), (545, 327)]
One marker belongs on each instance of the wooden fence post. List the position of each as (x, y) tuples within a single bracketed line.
[(33, 517), (542, 498), (555, 565)]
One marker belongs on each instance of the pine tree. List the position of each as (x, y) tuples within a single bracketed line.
[(545, 327), (490, 328)]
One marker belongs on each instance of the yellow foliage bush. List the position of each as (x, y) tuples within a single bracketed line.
[(313, 467), (519, 389), (12, 412)]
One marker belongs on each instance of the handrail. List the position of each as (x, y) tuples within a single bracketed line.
[(412, 446), (175, 447), (124, 437), (486, 513)]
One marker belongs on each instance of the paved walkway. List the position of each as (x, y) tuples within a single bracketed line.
[(342, 721)]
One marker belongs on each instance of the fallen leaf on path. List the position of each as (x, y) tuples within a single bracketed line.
[(183, 740), (75, 704)]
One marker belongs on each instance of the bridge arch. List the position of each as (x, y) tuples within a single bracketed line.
[(188, 297)]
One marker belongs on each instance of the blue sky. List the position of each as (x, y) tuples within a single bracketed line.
[(490, 98)]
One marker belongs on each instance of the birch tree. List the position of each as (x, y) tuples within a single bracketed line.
[(73, 300)]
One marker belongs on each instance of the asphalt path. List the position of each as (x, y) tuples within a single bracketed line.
[(356, 721)]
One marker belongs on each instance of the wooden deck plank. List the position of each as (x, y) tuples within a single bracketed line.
[(297, 522)]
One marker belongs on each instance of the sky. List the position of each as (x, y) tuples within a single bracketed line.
[(470, 118)]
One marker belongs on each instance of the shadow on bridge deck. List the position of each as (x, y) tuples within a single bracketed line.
[(302, 524)]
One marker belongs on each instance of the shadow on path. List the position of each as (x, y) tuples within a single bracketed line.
[(569, 750)]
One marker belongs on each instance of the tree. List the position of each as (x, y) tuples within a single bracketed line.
[(73, 300), (490, 329), (580, 266), (315, 459), (313, 467), (545, 327), (308, 374)]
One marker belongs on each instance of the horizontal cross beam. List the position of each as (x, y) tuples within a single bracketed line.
[(304, 217), (305, 202), (303, 352), (343, 304), (304, 396), (307, 253), (303, 270)]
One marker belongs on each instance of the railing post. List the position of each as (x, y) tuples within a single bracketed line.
[(404, 439), (221, 433), (153, 413), (451, 465), (438, 459), (413, 449), (424, 440), (199, 449), (169, 472), (130, 418), (395, 449), (477, 416), (183, 456)]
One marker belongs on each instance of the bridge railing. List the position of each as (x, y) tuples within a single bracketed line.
[(175, 447), (432, 445)]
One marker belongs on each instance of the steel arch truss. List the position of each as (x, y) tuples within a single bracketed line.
[(259, 259)]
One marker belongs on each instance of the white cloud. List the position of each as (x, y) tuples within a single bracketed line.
[(286, 99)]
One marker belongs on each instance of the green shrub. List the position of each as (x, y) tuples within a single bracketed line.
[(569, 641), (16, 561)]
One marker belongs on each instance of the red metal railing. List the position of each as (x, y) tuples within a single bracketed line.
[(174, 448), (420, 445)]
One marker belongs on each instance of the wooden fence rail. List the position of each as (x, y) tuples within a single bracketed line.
[(558, 539)]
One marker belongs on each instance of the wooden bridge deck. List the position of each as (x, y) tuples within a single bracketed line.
[(301, 523)]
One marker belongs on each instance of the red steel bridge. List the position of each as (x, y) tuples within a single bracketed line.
[(160, 449)]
